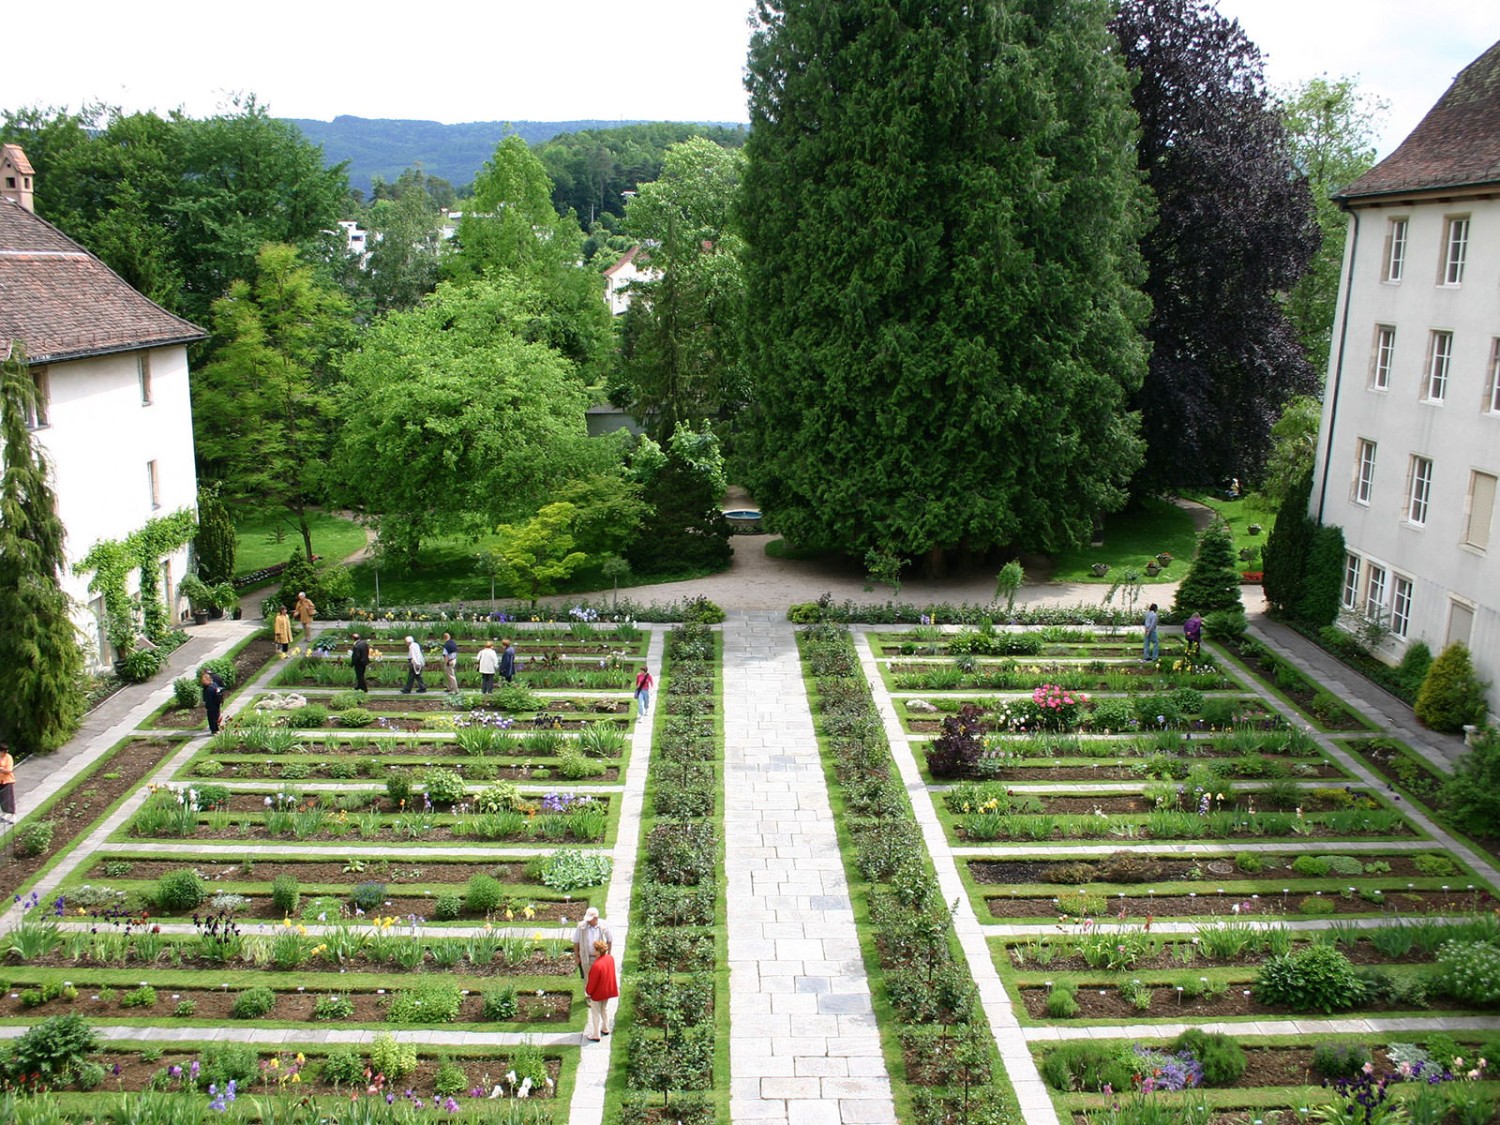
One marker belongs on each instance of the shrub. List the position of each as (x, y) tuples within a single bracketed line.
[(450, 1079), (483, 894), (448, 907), (1226, 624), (1222, 1059), (1213, 582), (1062, 1002), (33, 838), (334, 1006), (954, 752), (1471, 798), (1469, 971), (142, 997), (1248, 862), (500, 1005), (1339, 1060), (435, 1001), (179, 892), (221, 666), (344, 1067), (229, 1062), (503, 796), (184, 693), (1316, 979), (443, 786), (1416, 662), (286, 894), (569, 869), (54, 1049), (253, 1004), (355, 717), (139, 666), (1112, 715), (1082, 1065), (309, 717), (368, 896), (1434, 866), (1452, 696), (90, 1076)]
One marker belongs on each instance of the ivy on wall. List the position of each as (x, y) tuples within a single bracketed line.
[(112, 560)]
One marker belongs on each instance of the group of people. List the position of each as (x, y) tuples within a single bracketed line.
[(281, 628), (492, 662), (1192, 634)]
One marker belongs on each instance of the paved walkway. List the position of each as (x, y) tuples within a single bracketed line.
[(803, 1045)]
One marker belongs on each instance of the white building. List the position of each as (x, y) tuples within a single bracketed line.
[(618, 277), (113, 414), (1409, 447)]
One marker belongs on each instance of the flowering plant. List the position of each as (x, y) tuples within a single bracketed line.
[(1058, 708)]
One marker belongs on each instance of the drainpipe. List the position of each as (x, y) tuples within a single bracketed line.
[(1338, 367)]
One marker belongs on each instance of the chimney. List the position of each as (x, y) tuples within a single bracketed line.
[(16, 176)]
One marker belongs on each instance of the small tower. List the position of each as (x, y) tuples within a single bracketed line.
[(16, 176)]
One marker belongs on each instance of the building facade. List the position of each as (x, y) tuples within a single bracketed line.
[(113, 414), (1409, 447)]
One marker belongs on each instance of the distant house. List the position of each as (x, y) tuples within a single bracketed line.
[(111, 371), (1409, 448), (632, 266)]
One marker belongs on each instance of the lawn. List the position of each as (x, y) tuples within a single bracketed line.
[(1131, 539), (1240, 514), (266, 539)]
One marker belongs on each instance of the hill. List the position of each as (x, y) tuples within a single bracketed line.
[(385, 147)]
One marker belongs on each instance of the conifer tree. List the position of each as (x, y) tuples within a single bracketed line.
[(214, 544), (40, 661), (941, 213), (1213, 582)]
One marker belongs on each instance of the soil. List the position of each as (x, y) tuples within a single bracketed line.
[(214, 1007), (538, 964), (312, 871), (440, 833), (1043, 773), (73, 815), (1126, 804), (1362, 953), (1185, 906), (318, 771), (1167, 868), (1252, 717), (403, 705)]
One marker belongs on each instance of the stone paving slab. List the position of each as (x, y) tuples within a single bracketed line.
[(813, 1057)]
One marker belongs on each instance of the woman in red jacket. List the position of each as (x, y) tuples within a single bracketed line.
[(601, 987)]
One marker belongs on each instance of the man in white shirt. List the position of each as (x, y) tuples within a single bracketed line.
[(489, 664), (590, 930), (415, 662)]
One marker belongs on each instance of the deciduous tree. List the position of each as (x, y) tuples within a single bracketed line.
[(941, 216), (1234, 232), (40, 661)]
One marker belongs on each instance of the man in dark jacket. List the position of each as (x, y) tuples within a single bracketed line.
[(359, 660), (213, 699), (508, 661)]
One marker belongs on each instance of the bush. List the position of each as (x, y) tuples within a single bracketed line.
[(443, 786), (1323, 578), (483, 894), (1452, 696), (449, 907), (1414, 666), (310, 717), (569, 869), (1469, 971), (1316, 979), (180, 892), (1222, 1059), (501, 1005), (184, 693), (344, 1067), (253, 1004), (1213, 582), (368, 896), (286, 894), (503, 796), (450, 1079), (1062, 1002), (1112, 715), (954, 752), (33, 838), (54, 1049), (355, 717), (1086, 1066), (1339, 1060), (229, 1062), (221, 666), (139, 666), (1226, 624)]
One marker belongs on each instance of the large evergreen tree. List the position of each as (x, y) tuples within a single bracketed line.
[(1234, 232), (941, 214), (40, 661)]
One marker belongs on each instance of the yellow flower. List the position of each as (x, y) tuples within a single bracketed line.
[(529, 912), (537, 936), (275, 1063), (296, 1077), (301, 1058), (286, 922)]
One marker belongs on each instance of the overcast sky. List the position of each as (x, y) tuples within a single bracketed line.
[(515, 60)]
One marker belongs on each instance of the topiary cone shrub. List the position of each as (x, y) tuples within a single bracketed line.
[(1213, 583), (1452, 695)]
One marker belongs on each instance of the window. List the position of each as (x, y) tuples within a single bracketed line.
[(154, 480), (1400, 607), (1439, 360), (1455, 250), (1492, 383), (1351, 581), (1481, 510), (1418, 489), (143, 373), (39, 408), (1395, 250), (1385, 353), (1364, 471), (1375, 593)]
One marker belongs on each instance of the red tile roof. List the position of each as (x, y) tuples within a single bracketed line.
[(62, 303), (1456, 145)]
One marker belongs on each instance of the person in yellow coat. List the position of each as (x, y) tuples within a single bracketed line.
[(281, 629), (305, 611)]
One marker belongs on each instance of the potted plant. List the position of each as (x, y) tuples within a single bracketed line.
[(200, 596), (1164, 559), (1152, 570), (1100, 569), (224, 598), (1254, 529)]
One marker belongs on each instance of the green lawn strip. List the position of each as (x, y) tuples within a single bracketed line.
[(68, 792), (627, 1026), (1130, 540), (257, 546), (904, 1092), (1240, 515)]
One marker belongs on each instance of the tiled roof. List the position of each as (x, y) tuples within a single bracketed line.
[(629, 256), (1456, 145), (18, 159), (61, 302)]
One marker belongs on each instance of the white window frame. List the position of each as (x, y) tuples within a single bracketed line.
[(1491, 404), (1364, 471), (1455, 250), (1375, 577), (143, 376), (1418, 489), (1394, 264), (1439, 366), (1351, 581), (153, 480), (1482, 516), (39, 410), (1401, 593), (1382, 357)]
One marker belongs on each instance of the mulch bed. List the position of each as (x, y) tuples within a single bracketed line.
[(312, 871), (1129, 804), (538, 964), (1166, 868), (1042, 773), (271, 768), (73, 815), (1361, 953), (1184, 906)]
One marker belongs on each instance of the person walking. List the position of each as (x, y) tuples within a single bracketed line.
[(450, 663), (213, 698), (1192, 633), (643, 686), (415, 662), (591, 930), (281, 629), (1151, 646), (508, 660), (305, 611), (7, 785), (489, 664), (602, 986), (359, 660)]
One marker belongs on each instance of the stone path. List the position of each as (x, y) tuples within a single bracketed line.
[(803, 1045)]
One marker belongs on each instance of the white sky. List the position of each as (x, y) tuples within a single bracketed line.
[(515, 60)]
